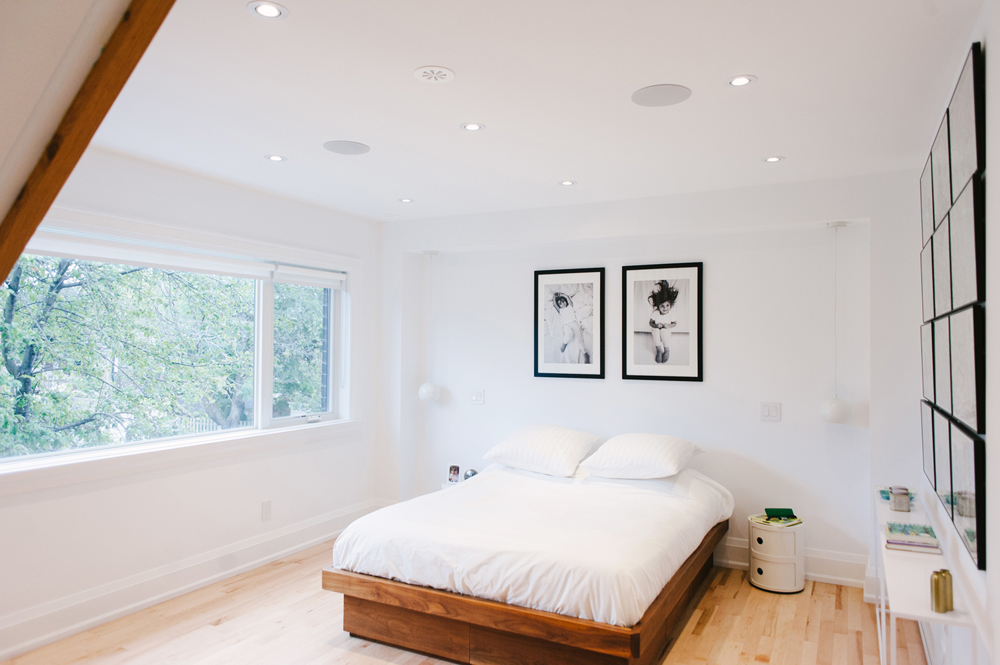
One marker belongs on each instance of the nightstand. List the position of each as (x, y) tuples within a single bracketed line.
[(777, 557)]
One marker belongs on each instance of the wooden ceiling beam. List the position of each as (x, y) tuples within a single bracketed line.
[(99, 91)]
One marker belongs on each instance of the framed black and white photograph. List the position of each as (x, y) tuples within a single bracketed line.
[(942, 461), (927, 437), (926, 202), (569, 323), (942, 269), (927, 281), (942, 364), (968, 237), (927, 354), (968, 367), (966, 121), (968, 471), (662, 322), (941, 172)]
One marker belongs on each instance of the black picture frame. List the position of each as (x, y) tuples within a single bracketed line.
[(967, 121), (968, 245), (927, 281), (927, 360), (968, 458), (926, 202), (563, 323), (643, 359), (941, 242), (967, 328), (942, 364), (942, 461), (927, 440), (941, 172)]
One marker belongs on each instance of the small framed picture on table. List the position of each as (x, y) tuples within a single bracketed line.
[(569, 323), (662, 322)]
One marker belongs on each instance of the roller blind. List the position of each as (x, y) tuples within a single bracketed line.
[(73, 245)]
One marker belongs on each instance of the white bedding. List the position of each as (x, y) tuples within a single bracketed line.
[(594, 548)]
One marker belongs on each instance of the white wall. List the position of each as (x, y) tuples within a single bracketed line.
[(768, 337), (86, 542)]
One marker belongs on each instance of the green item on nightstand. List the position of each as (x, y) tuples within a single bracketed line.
[(779, 512)]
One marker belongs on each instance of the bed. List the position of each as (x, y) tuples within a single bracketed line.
[(519, 567)]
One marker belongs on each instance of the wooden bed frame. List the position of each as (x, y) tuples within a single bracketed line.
[(465, 629)]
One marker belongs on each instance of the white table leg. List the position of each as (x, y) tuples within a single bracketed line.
[(892, 639), (880, 615)]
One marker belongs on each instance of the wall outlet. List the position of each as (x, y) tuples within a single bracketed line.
[(265, 511), (770, 411), (478, 398)]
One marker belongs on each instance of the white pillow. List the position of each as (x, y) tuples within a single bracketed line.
[(554, 451), (640, 456)]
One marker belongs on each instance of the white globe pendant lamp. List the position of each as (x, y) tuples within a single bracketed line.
[(429, 392), (835, 410)]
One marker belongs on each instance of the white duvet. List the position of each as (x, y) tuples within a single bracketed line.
[(586, 547)]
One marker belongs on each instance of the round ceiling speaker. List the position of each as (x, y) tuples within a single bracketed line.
[(661, 95), (346, 147)]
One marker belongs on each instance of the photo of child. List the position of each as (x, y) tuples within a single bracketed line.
[(662, 298), (569, 323), (660, 324)]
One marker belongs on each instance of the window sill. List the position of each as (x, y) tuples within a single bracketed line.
[(18, 476)]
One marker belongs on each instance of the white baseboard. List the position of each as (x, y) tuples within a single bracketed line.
[(37, 626), (826, 566)]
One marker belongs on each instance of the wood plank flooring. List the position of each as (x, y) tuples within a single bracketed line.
[(827, 624), (278, 614)]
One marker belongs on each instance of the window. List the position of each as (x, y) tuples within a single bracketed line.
[(97, 353), (303, 324)]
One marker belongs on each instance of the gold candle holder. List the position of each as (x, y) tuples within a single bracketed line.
[(942, 594)]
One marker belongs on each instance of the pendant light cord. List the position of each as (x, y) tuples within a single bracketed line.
[(835, 396), (430, 319)]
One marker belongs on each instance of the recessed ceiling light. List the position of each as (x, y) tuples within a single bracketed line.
[(434, 74), (742, 79), (661, 95), (406, 200), (567, 183), (346, 147), (269, 10), (473, 126), (275, 158), (776, 158)]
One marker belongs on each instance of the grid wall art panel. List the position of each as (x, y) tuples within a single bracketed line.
[(953, 331)]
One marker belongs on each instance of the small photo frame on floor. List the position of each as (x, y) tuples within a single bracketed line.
[(662, 322), (569, 323)]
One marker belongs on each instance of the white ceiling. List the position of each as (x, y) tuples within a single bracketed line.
[(847, 87)]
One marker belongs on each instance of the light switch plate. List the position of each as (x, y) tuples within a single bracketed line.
[(770, 411), (478, 398)]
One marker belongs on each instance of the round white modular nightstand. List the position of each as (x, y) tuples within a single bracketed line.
[(777, 557), (447, 484)]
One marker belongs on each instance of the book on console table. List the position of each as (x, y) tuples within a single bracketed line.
[(911, 537)]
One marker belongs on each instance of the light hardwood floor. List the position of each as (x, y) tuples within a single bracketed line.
[(279, 614)]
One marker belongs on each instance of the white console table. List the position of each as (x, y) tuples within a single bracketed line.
[(905, 582)]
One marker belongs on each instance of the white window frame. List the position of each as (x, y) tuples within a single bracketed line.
[(264, 352), (81, 241)]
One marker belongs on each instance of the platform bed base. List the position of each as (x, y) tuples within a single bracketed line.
[(464, 629)]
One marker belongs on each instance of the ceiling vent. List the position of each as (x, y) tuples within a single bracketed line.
[(434, 74)]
